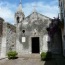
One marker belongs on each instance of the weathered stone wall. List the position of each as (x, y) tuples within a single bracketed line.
[(3, 45), (7, 38), (62, 17), (56, 43), (1, 31), (11, 37), (63, 42)]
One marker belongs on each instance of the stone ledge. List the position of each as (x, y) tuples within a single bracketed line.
[(1, 58)]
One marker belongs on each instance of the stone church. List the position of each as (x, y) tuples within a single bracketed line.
[(32, 36), (28, 35)]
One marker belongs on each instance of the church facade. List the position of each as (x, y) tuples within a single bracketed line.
[(32, 36)]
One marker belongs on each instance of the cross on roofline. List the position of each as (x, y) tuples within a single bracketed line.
[(20, 1), (34, 7)]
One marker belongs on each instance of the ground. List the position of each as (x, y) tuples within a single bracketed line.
[(33, 60)]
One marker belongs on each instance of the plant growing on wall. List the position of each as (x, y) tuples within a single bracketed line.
[(46, 56)]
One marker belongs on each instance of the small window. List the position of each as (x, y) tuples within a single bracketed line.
[(23, 31), (23, 39)]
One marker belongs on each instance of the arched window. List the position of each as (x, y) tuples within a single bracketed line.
[(17, 19)]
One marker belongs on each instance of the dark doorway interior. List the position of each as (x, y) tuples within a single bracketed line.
[(35, 45)]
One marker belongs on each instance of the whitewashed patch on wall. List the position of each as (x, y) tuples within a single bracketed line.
[(45, 43), (23, 39)]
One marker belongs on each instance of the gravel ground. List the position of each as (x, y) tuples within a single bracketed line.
[(22, 61), (26, 61), (32, 61)]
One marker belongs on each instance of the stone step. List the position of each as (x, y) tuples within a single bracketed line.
[(34, 56)]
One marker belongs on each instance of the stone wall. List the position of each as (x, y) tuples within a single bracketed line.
[(1, 30), (11, 37), (8, 39), (3, 44), (62, 17)]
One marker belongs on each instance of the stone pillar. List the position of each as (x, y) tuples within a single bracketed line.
[(19, 46), (3, 45), (63, 41)]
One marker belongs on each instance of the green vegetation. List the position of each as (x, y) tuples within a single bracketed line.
[(46, 56), (12, 54)]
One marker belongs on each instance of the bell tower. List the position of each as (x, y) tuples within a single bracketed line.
[(19, 15)]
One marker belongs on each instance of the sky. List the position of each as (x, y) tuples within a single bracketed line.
[(8, 8)]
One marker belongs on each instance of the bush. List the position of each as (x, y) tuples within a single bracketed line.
[(43, 55), (12, 55), (46, 56)]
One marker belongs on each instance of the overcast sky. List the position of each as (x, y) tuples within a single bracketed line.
[(8, 8)]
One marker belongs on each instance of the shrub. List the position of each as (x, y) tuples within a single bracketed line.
[(43, 55), (12, 55), (46, 56)]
